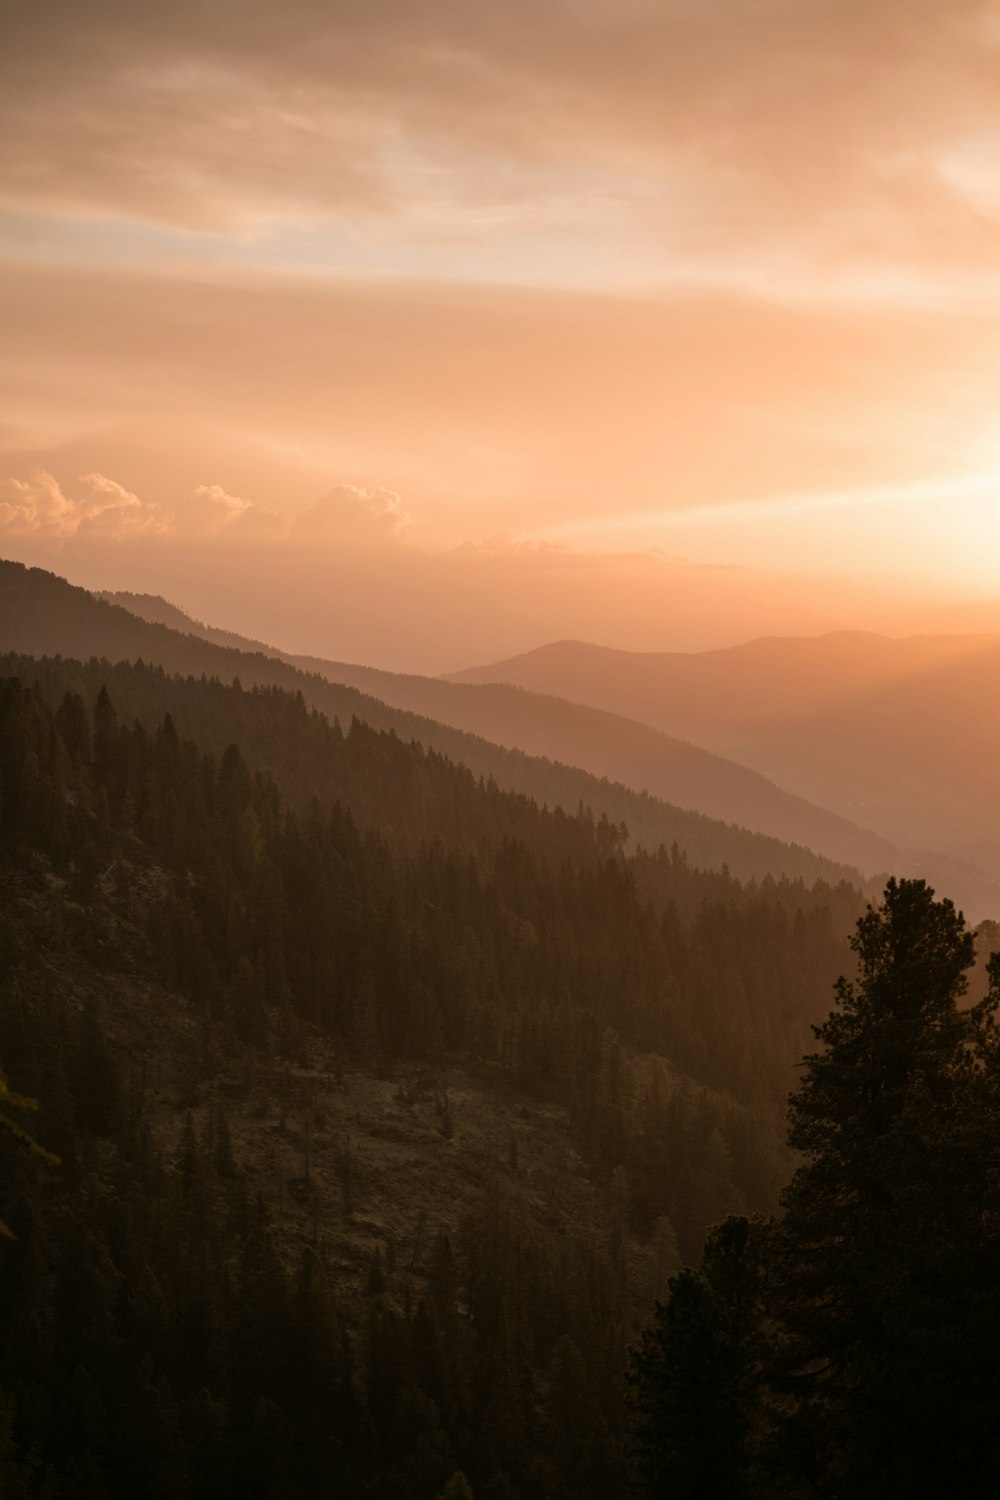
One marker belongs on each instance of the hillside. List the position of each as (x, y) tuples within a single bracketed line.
[(43, 615), (606, 745), (903, 735), (625, 751), (366, 1132)]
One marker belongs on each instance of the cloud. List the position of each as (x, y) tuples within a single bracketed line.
[(351, 516), (34, 505), (590, 555), (106, 511), (729, 127), (489, 410), (209, 511)]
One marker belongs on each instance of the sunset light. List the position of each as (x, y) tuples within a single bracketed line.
[(573, 277), (500, 750)]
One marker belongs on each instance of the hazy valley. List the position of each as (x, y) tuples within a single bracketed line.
[(500, 751), (309, 948)]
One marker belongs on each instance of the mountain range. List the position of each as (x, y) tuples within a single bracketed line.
[(377, 1101), (692, 744), (902, 735), (375, 1104), (666, 789), (43, 615)]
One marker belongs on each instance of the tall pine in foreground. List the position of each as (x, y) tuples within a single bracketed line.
[(872, 1371), (886, 1260)]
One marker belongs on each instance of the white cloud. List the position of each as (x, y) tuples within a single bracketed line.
[(210, 511), (349, 515), (39, 506), (34, 505), (815, 128), (105, 509), (108, 509)]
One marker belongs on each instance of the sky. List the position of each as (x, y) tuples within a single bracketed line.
[(422, 333)]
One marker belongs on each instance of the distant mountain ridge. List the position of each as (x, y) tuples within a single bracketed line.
[(156, 610), (41, 614), (903, 734), (603, 744), (44, 613)]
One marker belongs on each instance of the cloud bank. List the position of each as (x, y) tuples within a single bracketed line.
[(103, 510), (567, 274), (38, 506), (729, 130)]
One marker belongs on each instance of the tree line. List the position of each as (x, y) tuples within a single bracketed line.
[(155, 1333), (847, 1347), (658, 1003)]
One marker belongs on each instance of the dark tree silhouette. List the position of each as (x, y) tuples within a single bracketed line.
[(858, 1356)]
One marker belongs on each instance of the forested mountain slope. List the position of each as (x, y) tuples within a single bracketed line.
[(41, 614), (256, 1031), (605, 744), (903, 735)]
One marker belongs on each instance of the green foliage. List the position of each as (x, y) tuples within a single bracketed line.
[(865, 1335), (415, 912), (882, 1246), (157, 1337), (691, 1372), (45, 616)]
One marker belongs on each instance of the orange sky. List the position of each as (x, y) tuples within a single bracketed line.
[(465, 326)]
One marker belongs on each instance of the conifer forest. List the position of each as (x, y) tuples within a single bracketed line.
[(371, 1130)]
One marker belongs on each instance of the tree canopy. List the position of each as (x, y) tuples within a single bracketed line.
[(872, 1369)]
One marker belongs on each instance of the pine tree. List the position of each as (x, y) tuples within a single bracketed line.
[(882, 1240), (694, 1374), (684, 1377)]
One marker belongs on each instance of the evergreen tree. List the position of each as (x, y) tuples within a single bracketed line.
[(848, 1350), (686, 1413), (884, 1262), (693, 1376)]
